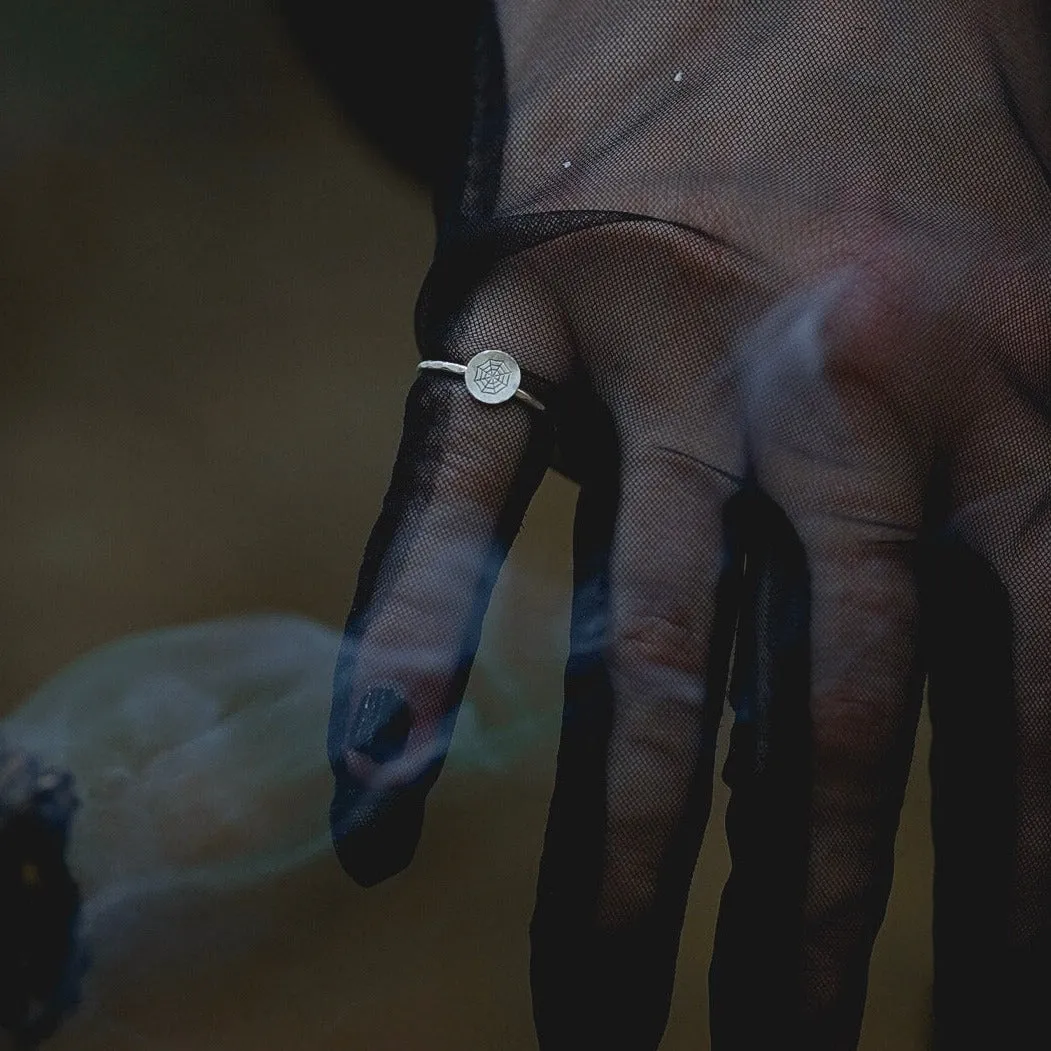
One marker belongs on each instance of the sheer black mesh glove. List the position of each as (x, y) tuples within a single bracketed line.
[(781, 272)]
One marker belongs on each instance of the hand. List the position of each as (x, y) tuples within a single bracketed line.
[(809, 406)]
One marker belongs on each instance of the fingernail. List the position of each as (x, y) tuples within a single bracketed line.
[(376, 838), (373, 850), (381, 725)]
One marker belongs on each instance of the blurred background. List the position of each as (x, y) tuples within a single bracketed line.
[(207, 279)]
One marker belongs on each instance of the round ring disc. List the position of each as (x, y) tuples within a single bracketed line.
[(492, 376)]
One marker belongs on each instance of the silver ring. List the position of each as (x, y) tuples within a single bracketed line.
[(492, 377)]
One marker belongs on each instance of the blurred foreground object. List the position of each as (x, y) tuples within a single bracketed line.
[(41, 959), (199, 753)]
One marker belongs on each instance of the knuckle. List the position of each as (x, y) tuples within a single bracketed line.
[(709, 463), (850, 729), (856, 322), (519, 287), (864, 327), (659, 638), (1017, 298)]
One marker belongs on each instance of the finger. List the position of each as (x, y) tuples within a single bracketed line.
[(828, 680), (865, 698), (818, 764), (755, 961), (973, 765), (463, 477), (648, 659), (990, 698)]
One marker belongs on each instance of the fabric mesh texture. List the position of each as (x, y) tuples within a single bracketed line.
[(782, 270)]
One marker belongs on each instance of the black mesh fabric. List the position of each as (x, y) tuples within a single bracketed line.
[(782, 269)]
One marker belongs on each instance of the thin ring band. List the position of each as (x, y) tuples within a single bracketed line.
[(491, 377)]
